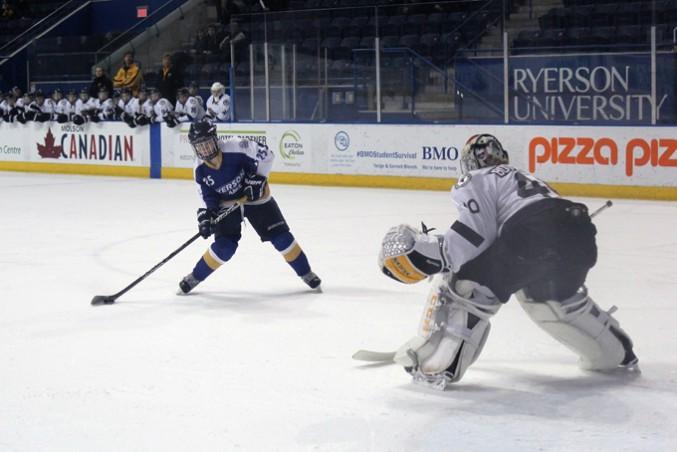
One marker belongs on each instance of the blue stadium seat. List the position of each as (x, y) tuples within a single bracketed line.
[(367, 42), (604, 15), (350, 43), (359, 21), (390, 41)]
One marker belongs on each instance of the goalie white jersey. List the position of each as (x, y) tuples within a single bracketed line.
[(486, 199)]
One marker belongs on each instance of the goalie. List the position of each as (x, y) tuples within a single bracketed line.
[(514, 235)]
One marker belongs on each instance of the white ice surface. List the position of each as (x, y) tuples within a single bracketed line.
[(255, 362)]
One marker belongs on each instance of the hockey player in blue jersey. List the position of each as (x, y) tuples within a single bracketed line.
[(236, 171)]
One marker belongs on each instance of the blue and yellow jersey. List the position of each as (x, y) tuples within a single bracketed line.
[(240, 157)]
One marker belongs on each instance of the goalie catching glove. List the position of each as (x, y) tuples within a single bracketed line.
[(409, 255)]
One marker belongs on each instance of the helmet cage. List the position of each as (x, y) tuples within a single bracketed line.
[(206, 148), (482, 151)]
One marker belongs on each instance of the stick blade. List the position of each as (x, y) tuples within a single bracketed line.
[(100, 300), (374, 357)]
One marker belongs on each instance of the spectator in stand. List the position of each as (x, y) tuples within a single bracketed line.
[(213, 39), (236, 35), (200, 43), (129, 75), (170, 79), (100, 81), (7, 10)]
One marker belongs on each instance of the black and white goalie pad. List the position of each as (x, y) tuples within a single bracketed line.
[(410, 256)]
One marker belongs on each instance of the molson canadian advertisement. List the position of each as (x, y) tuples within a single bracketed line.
[(103, 144)]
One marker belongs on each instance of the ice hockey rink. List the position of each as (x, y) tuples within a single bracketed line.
[(254, 361)]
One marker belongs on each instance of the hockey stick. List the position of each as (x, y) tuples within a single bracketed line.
[(373, 357), (606, 205), (99, 300)]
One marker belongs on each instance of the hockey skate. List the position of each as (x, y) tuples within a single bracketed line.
[(188, 283), (313, 281)]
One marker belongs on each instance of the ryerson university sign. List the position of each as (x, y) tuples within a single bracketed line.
[(582, 93)]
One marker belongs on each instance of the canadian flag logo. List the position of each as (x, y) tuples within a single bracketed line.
[(48, 150)]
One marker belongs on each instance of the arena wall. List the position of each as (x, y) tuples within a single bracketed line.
[(616, 162)]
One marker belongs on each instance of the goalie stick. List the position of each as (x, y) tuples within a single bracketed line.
[(99, 300), (387, 357), (373, 357)]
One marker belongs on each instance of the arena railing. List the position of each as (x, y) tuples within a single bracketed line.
[(148, 24)]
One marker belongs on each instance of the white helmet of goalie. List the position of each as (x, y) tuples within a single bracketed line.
[(481, 151)]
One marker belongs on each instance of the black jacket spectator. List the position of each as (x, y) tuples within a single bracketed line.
[(100, 81), (170, 79)]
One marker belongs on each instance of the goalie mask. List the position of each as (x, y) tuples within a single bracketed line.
[(481, 151), (202, 136), (410, 256)]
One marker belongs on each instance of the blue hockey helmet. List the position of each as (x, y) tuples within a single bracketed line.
[(202, 136)]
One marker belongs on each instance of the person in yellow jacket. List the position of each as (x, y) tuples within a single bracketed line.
[(129, 75)]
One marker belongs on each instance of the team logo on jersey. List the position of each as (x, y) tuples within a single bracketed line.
[(342, 140)]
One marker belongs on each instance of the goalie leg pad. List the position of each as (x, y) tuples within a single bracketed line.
[(453, 331), (582, 326)]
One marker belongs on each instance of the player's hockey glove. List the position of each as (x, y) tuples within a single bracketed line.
[(61, 118), (204, 222), (79, 120), (128, 119), (171, 121), (141, 120), (254, 186), (42, 117), (29, 115), (93, 115)]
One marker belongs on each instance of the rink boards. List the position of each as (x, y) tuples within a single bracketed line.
[(628, 162)]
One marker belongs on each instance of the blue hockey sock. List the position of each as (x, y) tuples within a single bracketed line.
[(216, 255), (292, 252)]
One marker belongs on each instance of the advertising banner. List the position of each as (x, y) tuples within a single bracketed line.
[(632, 156), (108, 144), (576, 89), (422, 151), (593, 155), (291, 144), (404, 150)]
